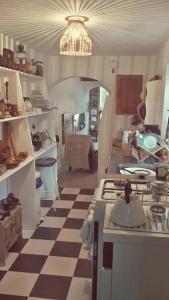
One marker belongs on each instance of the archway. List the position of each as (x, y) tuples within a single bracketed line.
[(71, 95)]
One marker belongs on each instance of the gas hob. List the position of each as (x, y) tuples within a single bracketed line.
[(110, 189)]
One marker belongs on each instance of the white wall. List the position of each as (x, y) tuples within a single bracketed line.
[(103, 69), (10, 43), (100, 68), (70, 96), (58, 68), (163, 70), (103, 95)]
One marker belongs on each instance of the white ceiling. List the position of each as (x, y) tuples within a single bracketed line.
[(121, 27)]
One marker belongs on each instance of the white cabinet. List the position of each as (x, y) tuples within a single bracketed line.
[(21, 179), (139, 267), (153, 103)]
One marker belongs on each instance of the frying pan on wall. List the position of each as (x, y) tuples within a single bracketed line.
[(141, 110)]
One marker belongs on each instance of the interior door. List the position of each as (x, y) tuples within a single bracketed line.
[(129, 88)]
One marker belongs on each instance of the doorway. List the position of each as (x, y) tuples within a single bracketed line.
[(80, 102)]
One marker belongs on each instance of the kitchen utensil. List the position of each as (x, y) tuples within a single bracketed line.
[(141, 110), (158, 209), (2, 109), (137, 171), (128, 210), (2, 168), (162, 172), (10, 138), (3, 213), (8, 56), (28, 105), (10, 202), (11, 163), (158, 189), (6, 89), (22, 156), (150, 141)]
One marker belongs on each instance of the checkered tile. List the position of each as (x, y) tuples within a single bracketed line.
[(50, 262)]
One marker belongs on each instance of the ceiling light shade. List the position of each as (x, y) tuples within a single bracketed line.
[(75, 40)]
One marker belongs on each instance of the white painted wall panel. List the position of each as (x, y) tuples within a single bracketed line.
[(10, 43), (153, 102), (124, 65), (100, 68), (162, 68)]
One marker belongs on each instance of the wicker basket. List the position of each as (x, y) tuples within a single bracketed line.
[(5, 150)]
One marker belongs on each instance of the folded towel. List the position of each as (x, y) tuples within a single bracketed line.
[(86, 232)]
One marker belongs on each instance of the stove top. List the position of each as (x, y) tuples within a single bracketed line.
[(110, 189), (154, 223)]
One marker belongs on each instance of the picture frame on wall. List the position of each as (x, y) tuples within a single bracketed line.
[(67, 125), (93, 111), (93, 119), (167, 130)]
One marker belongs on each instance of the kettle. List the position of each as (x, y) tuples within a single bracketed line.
[(128, 210)]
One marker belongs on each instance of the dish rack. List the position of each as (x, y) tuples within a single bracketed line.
[(151, 143)]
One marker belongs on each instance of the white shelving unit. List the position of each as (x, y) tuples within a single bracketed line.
[(37, 114), (11, 172), (39, 153), (21, 179), (11, 119)]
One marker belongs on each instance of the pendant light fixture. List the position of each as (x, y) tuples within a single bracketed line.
[(75, 40)]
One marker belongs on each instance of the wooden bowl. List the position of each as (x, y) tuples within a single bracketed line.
[(22, 156), (11, 163)]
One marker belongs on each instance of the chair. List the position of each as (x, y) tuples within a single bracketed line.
[(79, 152)]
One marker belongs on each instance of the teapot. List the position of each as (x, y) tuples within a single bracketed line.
[(28, 105), (128, 210)]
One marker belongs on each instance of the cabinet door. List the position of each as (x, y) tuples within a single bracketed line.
[(129, 88), (140, 272)]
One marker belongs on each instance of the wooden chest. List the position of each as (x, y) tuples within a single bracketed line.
[(10, 231)]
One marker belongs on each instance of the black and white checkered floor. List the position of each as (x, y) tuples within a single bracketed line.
[(50, 263)]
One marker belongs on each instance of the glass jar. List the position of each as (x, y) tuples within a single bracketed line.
[(21, 58), (39, 68)]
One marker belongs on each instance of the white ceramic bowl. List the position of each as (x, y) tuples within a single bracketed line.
[(137, 171)]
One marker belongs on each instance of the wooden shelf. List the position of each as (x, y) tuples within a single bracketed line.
[(21, 180), (38, 114), (11, 119), (24, 75), (8, 173), (43, 151), (7, 70), (27, 76)]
